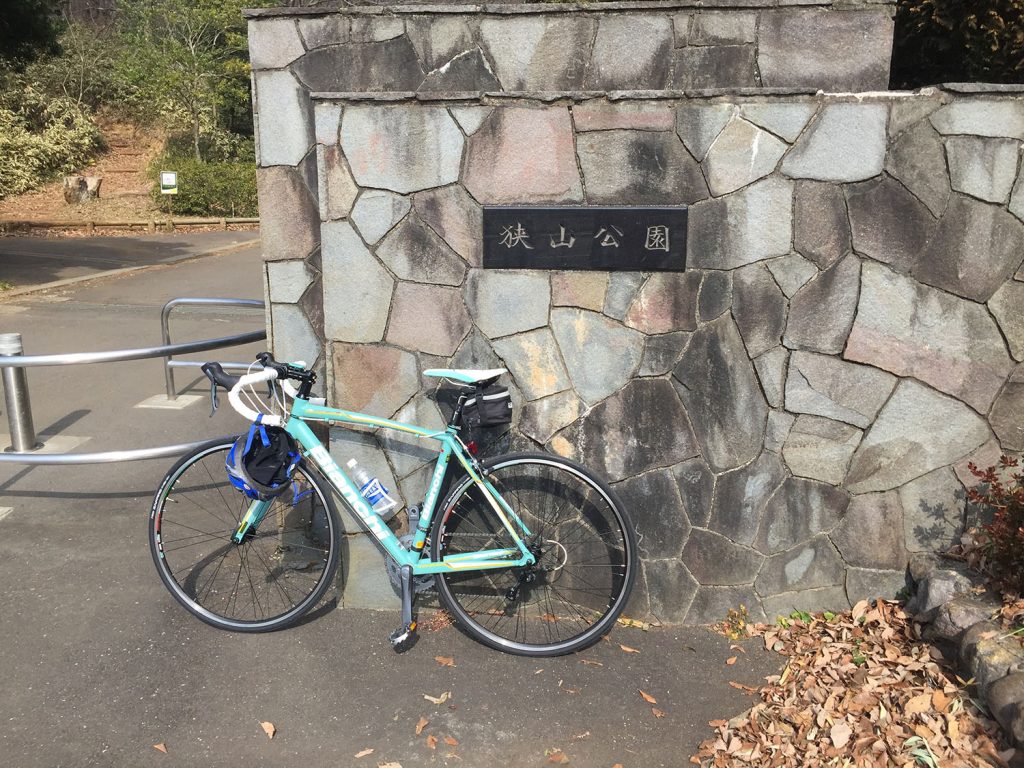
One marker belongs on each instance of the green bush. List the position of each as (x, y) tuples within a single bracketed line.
[(41, 138), (226, 188)]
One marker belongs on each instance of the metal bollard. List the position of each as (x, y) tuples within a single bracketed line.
[(19, 409)]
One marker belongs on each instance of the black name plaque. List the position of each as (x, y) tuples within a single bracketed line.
[(634, 238)]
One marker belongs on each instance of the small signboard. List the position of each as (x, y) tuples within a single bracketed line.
[(168, 182), (633, 238)]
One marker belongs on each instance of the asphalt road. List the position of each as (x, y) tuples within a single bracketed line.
[(98, 664)]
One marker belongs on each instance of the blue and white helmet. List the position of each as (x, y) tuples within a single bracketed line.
[(261, 462)]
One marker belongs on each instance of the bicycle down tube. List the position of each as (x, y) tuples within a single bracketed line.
[(416, 557)]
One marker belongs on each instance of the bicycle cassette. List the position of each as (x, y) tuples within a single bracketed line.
[(419, 583)]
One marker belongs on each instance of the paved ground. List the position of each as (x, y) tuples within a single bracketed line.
[(97, 663)]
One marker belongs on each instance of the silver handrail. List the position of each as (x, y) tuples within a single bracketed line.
[(103, 457)]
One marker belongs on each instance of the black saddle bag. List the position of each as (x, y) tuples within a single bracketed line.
[(488, 407)]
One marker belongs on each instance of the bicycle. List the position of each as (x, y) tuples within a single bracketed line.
[(529, 552)]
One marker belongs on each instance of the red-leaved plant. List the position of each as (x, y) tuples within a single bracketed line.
[(1002, 492)]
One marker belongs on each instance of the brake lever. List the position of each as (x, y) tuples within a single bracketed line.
[(213, 398)]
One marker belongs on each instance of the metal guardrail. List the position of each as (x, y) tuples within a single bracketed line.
[(19, 410)]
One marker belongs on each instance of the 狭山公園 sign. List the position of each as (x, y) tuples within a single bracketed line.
[(635, 238)]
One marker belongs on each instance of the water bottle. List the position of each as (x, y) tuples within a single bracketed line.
[(371, 488)]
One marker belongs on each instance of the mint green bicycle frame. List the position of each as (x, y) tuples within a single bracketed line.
[(303, 410)]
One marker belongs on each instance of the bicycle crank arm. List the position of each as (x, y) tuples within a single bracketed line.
[(403, 637)]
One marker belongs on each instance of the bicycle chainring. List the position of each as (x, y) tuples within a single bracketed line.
[(419, 583)]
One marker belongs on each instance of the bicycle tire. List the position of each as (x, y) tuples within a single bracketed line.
[(294, 561), (577, 522)]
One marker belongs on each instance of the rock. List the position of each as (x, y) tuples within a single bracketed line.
[(319, 31), (503, 303), (641, 427), (830, 387), (870, 535), (360, 368), (870, 584), (936, 588), (784, 120), (377, 211), (406, 453), (750, 225), (283, 109), (715, 295), (983, 168), (274, 43), (327, 123), (413, 252), (1016, 207), (714, 67), (312, 306), (918, 160), (643, 167), (719, 388), (812, 600), (622, 289), (466, 72), (847, 50), (888, 223), (337, 188), (907, 113), (985, 456), (667, 302), (543, 418), (1007, 416), (988, 655), (401, 148), (740, 499), (533, 360), (799, 510), (810, 565), (820, 448), (356, 67), (585, 290), (917, 431), (600, 354), (475, 352), (288, 280), (294, 339), (759, 308), (456, 217), (661, 524), (777, 430), (822, 312), (604, 116), (438, 39), (1006, 305), (289, 216), (711, 28), (661, 353), (357, 289), (714, 560), (954, 618), (845, 143), (696, 487), (712, 604), (974, 249), (630, 51), (533, 53), (428, 318), (933, 511), (912, 330), (1005, 700), (821, 227), (741, 154), (698, 125), (671, 589), (470, 118), (523, 155), (981, 117), (791, 272), (81, 189), (771, 370), (375, 29)]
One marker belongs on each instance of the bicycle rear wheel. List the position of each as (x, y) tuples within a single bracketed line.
[(269, 580), (585, 546)]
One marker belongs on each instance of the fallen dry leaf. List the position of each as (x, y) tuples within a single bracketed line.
[(445, 661), (432, 741), (730, 661), (591, 663), (647, 697), (617, 765), (161, 747), (364, 753), (840, 734), (738, 648), (644, 625), (627, 649), (438, 699), (918, 704), (451, 741), (657, 712), (421, 725), (556, 756), (580, 736), (268, 728), (389, 765)]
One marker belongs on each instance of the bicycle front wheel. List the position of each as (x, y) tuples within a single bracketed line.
[(579, 532), (269, 580)]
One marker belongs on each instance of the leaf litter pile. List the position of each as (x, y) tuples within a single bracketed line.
[(860, 690)]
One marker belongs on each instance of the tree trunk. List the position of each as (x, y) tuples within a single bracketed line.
[(81, 189)]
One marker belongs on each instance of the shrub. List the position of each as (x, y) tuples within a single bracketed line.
[(1003, 538), (226, 188)]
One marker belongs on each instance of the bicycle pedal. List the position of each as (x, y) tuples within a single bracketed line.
[(402, 636)]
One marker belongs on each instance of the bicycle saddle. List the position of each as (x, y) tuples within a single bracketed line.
[(466, 375)]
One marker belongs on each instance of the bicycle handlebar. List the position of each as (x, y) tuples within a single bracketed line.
[(248, 380)]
